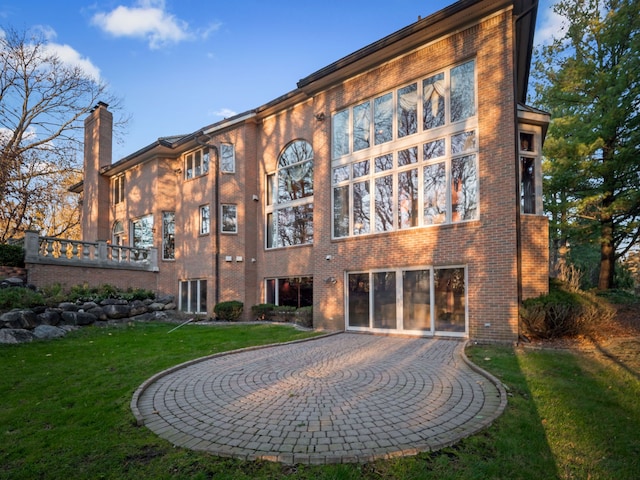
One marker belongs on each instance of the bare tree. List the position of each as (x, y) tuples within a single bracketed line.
[(43, 102)]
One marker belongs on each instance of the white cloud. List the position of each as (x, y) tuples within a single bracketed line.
[(147, 19), (225, 113), (72, 57), (66, 53), (551, 26)]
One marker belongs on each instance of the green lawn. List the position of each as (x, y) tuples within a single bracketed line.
[(64, 413)]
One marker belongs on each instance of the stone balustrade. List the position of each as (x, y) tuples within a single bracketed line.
[(59, 251)]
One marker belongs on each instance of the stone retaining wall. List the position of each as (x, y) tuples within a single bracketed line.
[(25, 325)]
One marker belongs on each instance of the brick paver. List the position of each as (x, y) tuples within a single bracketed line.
[(338, 398)]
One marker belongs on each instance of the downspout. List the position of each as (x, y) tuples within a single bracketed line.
[(216, 201)]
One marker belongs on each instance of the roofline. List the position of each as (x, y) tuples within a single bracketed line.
[(433, 27), (443, 22)]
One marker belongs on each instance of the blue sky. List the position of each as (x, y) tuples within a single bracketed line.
[(180, 65)]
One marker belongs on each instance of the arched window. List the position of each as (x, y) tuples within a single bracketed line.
[(117, 237), (290, 197)]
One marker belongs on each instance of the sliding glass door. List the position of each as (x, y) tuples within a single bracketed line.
[(420, 301)]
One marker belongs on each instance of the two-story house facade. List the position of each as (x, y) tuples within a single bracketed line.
[(397, 190)]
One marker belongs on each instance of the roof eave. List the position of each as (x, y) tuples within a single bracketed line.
[(453, 18)]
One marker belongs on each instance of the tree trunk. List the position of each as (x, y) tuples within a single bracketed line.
[(607, 256)]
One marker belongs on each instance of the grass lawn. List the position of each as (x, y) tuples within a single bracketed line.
[(64, 413)]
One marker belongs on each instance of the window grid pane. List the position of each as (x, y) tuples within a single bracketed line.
[(439, 192)]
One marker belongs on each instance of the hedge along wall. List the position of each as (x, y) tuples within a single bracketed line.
[(42, 275)]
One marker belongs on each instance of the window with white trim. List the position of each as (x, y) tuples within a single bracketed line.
[(117, 190), (196, 163), (142, 232), (193, 296), (290, 291), (228, 218), (420, 300), (530, 173), (289, 209), (168, 235), (205, 220), (227, 158), (421, 167), (117, 235)]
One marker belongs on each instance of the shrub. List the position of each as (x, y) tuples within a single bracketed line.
[(563, 313), (11, 255), (56, 293), (17, 297), (263, 311), (305, 316), (228, 311)]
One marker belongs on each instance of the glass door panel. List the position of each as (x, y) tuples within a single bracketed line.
[(359, 300), (450, 307), (384, 300), (416, 299)]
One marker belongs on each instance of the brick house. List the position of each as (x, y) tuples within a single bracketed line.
[(397, 190)]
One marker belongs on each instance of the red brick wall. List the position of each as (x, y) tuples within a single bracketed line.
[(45, 275), (535, 255), (486, 247), (9, 272)]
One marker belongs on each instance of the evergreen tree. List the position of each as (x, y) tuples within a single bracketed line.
[(588, 79)]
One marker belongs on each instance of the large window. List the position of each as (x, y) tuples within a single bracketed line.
[(289, 209), (196, 163), (168, 235), (419, 300), (294, 292), (415, 172), (142, 229), (193, 296)]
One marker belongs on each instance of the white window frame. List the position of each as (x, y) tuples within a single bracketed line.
[(200, 285), (274, 207), (227, 158), (204, 222), (117, 233), (536, 156), (399, 302), (168, 236), (423, 136), (231, 228), (117, 189), (142, 220), (196, 163)]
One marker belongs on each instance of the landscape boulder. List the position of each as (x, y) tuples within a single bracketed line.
[(15, 335), (116, 311), (19, 319), (51, 316), (47, 332), (78, 318)]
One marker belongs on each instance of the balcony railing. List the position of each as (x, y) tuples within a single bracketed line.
[(60, 251)]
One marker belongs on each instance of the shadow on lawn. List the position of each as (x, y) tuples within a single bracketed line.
[(588, 411)]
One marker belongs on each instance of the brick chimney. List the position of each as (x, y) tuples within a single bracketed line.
[(98, 132)]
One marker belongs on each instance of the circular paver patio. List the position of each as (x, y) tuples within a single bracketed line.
[(337, 398)]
